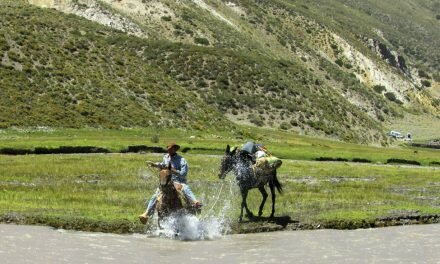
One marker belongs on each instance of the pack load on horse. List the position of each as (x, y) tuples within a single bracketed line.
[(252, 170), (261, 157), (173, 193)]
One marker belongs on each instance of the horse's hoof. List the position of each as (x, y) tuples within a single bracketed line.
[(260, 214), (249, 215)]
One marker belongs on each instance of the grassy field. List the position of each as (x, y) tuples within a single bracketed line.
[(285, 145), (106, 192)]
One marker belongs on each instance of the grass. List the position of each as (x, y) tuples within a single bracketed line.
[(114, 187), (286, 145), (105, 192)]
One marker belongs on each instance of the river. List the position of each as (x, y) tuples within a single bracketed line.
[(403, 244)]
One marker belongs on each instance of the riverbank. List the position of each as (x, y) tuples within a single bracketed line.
[(255, 225)]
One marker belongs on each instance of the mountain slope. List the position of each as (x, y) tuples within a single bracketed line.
[(59, 70), (283, 64), (369, 39)]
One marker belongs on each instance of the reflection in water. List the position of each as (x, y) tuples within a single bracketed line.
[(406, 244)]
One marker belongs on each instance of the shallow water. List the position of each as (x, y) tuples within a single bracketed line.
[(405, 244)]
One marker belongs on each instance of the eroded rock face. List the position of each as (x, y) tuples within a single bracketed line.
[(93, 11), (390, 56)]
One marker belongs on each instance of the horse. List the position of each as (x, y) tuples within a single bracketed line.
[(170, 199), (248, 177)]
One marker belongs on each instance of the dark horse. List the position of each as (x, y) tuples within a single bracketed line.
[(170, 199), (249, 177)]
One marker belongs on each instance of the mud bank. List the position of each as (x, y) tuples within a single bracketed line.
[(254, 225)]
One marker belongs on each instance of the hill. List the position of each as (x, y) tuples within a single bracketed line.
[(279, 64), (59, 70)]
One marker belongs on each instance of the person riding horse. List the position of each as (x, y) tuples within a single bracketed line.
[(179, 169)]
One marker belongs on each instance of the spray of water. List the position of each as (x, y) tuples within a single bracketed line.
[(190, 227), (211, 224)]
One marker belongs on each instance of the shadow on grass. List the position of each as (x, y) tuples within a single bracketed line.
[(278, 220)]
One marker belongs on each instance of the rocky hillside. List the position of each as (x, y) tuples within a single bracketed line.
[(336, 68)]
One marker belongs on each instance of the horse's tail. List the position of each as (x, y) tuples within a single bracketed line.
[(277, 183)]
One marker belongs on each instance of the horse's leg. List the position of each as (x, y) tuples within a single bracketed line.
[(264, 194), (244, 193), (272, 191), (158, 223)]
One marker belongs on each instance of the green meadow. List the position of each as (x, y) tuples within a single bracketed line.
[(106, 192)]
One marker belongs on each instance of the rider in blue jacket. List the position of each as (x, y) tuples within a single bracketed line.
[(179, 170)]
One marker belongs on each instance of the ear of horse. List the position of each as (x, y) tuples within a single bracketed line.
[(169, 166), (228, 149), (233, 151)]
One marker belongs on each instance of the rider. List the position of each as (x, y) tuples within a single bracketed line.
[(255, 151), (179, 170), (260, 157)]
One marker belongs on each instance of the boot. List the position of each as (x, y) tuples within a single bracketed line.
[(143, 218)]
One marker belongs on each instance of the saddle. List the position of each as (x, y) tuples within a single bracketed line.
[(180, 194)]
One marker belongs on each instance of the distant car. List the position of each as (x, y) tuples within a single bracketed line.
[(395, 134)]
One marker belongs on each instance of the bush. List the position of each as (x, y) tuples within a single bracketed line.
[(285, 126), (426, 83), (330, 159), (166, 18), (202, 41), (403, 161), (379, 88), (339, 62), (391, 96), (423, 74), (361, 160), (256, 120)]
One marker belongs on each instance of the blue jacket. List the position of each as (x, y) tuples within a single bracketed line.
[(178, 163)]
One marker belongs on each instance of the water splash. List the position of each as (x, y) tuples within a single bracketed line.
[(211, 224), (190, 228)]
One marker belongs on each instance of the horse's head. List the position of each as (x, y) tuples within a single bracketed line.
[(165, 178), (227, 163)]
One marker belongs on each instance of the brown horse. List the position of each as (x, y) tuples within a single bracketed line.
[(171, 199)]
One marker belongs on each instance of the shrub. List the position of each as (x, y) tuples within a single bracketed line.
[(330, 159), (402, 161), (423, 74), (285, 126), (202, 41), (254, 119), (379, 88), (339, 62), (361, 160), (426, 83), (391, 96)]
